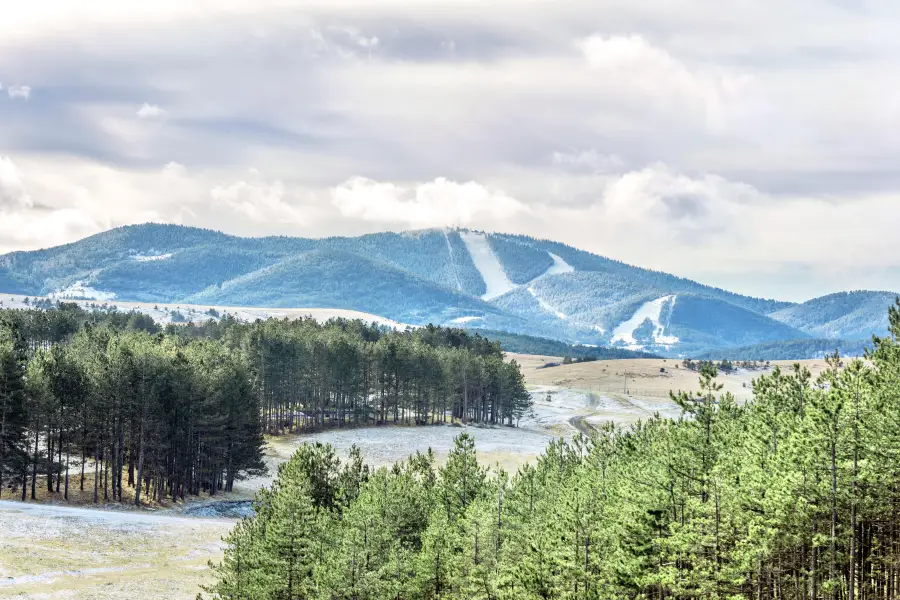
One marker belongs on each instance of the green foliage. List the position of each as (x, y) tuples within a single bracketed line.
[(845, 315), (792, 496), (527, 344), (185, 409), (521, 261), (789, 350)]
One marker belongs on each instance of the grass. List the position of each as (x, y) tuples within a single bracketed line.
[(643, 377), (91, 554)]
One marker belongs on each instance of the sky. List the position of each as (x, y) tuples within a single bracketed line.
[(749, 144)]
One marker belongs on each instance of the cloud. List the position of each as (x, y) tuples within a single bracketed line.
[(709, 141), (12, 189), (653, 75), (588, 160), (433, 204), (258, 201), (150, 111), (18, 92)]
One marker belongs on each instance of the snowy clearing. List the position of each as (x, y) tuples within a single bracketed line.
[(152, 257), (162, 313), (495, 280), (559, 266), (81, 290), (468, 319), (652, 310)]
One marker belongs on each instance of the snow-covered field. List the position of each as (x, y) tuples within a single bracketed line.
[(163, 313), (80, 289), (64, 552)]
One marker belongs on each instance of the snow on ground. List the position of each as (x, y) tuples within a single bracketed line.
[(82, 291), (152, 257), (510, 447), (559, 266), (469, 319), (546, 305), (487, 263), (51, 551), (652, 310), (452, 260), (162, 313)]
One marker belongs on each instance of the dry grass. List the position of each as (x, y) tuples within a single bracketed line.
[(57, 552), (644, 377)]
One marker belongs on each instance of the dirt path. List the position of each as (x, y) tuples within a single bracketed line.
[(579, 423)]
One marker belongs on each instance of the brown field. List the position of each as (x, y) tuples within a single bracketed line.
[(643, 377)]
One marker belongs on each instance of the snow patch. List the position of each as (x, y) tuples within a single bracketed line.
[(546, 306), (149, 258), (82, 291), (452, 261), (652, 310), (488, 265), (559, 266), (466, 319)]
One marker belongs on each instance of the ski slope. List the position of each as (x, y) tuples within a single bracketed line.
[(452, 261), (546, 305), (559, 266), (495, 280), (652, 310)]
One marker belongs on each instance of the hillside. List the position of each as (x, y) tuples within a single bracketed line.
[(847, 315), (458, 277)]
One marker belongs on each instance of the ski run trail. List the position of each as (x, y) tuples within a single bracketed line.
[(495, 280), (650, 310)]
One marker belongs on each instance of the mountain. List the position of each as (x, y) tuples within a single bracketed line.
[(472, 279), (789, 350), (846, 315)]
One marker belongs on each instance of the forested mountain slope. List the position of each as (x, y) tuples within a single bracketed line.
[(848, 315), (446, 276)]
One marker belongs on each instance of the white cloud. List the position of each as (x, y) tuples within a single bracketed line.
[(19, 92), (150, 111), (434, 204), (12, 189), (259, 201), (633, 65), (590, 160), (673, 135)]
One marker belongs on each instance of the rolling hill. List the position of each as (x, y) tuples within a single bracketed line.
[(472, 279)]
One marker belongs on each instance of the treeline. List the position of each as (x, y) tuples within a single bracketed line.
[(794, 495), (790, 350), (527, 344), (182, 410), (725, 365), (346, 372), (133, 415)]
